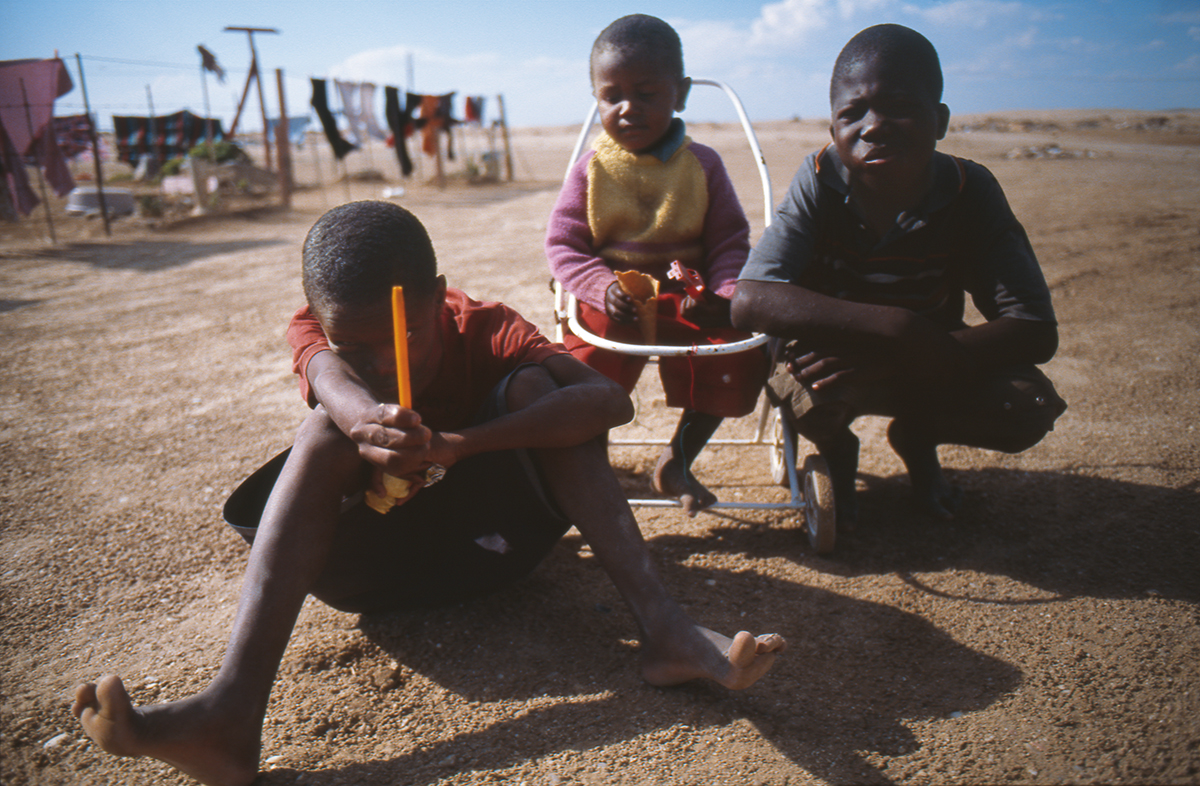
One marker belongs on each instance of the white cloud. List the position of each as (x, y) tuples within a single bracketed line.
[(976, 14), (1023, 40), (1180, 17), (1190, 65), (851, 8), (711, 46), (789, 21)]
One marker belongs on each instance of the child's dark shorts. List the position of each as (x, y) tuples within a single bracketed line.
[(1010, 409), (487, 523)]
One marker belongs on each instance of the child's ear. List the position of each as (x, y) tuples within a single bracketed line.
[(943, 116), (685, 87)]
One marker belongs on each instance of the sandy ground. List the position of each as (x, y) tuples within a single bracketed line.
[(1048, 636)]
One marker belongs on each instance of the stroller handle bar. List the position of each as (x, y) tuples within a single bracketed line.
[(751, 139)]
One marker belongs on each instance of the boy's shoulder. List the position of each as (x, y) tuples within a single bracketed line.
[(484, 317)]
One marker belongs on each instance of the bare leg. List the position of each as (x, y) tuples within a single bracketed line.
[(215, 735), (673, 472), (933, 493), (675, 648)]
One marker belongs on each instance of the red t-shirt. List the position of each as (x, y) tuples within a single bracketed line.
[(482, 343)]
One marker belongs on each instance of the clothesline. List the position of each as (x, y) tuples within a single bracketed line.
[(430, 114)]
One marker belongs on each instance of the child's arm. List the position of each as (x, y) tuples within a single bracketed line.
[(569, 243), (387, 435), (726, 235), (584, 405), (856, 341)]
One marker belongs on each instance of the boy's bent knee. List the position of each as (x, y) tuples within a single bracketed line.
[(319, 435), (1013, 414)]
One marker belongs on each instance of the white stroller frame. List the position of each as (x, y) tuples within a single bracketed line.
[(816, 499)]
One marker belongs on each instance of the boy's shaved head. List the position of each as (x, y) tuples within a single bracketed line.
[(640, 35), (357, 252), (901, 48)]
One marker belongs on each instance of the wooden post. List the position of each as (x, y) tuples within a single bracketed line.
[(508, 165), (87, 107), (441, 169), (237, 116), (283, 145), (262, 107), (257, 77)]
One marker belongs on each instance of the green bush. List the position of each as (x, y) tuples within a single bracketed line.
[(171, 167), (221, 151)]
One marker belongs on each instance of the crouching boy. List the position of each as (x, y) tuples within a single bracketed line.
[(862, 275)]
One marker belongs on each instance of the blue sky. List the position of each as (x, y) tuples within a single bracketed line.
[(997, 54)]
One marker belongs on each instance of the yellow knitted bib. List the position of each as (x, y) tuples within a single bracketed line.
[(657, 207)]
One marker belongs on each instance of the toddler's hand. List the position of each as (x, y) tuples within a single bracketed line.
[(619, 306), (707, 311)]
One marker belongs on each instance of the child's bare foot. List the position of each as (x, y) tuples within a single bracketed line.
[(188, 734), (683, 651), (673, 479)]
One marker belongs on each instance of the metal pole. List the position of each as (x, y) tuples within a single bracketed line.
[(153, 135), (41, 180), (208, 124), (508, 164), (95, 147)]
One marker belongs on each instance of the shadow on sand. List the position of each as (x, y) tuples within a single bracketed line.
[(856, 673), (147, 256)]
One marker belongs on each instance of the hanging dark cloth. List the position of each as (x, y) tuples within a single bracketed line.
[(163, 137), (398, 121), (18, 189), (74, 134), (321, 104), (445, 111)]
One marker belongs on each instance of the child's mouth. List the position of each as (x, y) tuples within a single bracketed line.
[(879, 155)]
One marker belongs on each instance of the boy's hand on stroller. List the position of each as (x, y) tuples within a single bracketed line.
[(619, 306), (707, 311), (819, 369)]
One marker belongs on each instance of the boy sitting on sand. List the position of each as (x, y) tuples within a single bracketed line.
[(862, 276), (513, 421), (644, 197)]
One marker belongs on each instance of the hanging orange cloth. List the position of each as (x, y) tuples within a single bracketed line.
[(433, 123)]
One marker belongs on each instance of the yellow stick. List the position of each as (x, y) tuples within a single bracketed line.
[(400, 328)]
